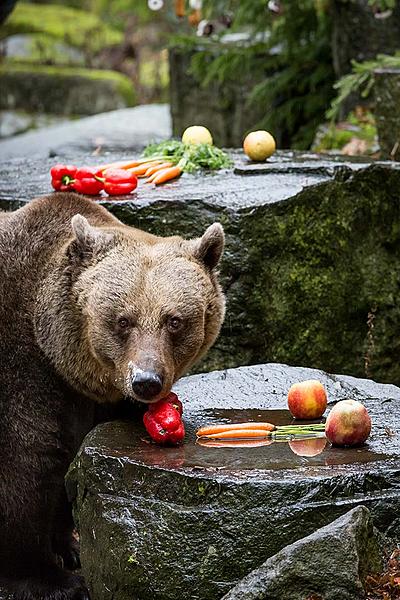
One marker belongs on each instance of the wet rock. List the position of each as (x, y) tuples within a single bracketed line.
[(387, 111), (128, 129), (311, 244), (331, 563), (13, 122), (189, 522)]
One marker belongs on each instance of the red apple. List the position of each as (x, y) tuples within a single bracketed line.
[(309, 447), (307, 399), (348, 424)]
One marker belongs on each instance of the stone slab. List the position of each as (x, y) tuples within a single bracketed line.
[(329, 564), (118, 130), (189, 522), (218, 191), (308, 267)]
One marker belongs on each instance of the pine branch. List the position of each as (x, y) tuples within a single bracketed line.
[(360, 80)]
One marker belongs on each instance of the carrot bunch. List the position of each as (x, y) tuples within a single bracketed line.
[(156, 170), (256, 430), (169, 159)]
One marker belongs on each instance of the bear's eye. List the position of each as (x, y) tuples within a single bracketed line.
[(174, 323), (123, 323)]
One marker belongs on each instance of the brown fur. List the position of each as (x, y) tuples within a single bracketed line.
[(65, 285)]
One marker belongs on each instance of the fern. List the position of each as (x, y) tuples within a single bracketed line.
[(360, 80), (382, 4), (297, 79)]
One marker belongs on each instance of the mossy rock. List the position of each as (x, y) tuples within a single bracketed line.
[(310, 264), (223, 108), (63, 90), (187, 522), (387, 111), (43, 49), (76, 27)]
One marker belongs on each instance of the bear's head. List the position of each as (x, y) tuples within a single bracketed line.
[(126, 313)]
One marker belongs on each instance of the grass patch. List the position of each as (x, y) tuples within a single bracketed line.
[(75, 27)]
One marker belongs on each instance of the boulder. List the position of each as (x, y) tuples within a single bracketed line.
[(189, 522), (63, 90), (331, 563), (311, 246)]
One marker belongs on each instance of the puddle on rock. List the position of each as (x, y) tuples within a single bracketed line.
[(249, 455)]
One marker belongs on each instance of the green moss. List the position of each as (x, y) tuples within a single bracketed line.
[(326, 264), (47, 50), (152, 76), (75, 27), (122, 83), (304, 277), (132, 559), (335, 136)]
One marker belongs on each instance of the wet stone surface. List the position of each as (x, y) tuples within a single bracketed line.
[(114, 131), (189, 522), (331, 563), (310, 245)]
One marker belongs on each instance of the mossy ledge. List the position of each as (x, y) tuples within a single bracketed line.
[(311, 262), (75, 27), (63, 90), (311, 280), (187, 522)]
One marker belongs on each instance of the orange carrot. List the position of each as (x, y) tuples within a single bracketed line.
[(123, 164), (167, 175), (128, 164), (239, 433), (254, 443), (210, 429), (152, 170), (140, 170), (155, 174)]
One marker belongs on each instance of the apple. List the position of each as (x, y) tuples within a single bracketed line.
[(259, 145), (348, 424), (308, 447), (197, 134), (307, 399)]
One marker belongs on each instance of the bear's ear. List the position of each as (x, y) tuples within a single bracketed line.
[(208, 249), (88, 240)]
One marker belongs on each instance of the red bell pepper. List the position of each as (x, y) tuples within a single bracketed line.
[(171, 399), (163, 420), (88, 180), (118, 182), (62, 177)]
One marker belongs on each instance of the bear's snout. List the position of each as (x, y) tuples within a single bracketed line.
[(146, 385)]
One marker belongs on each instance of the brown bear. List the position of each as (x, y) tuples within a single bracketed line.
[(91, 311)]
